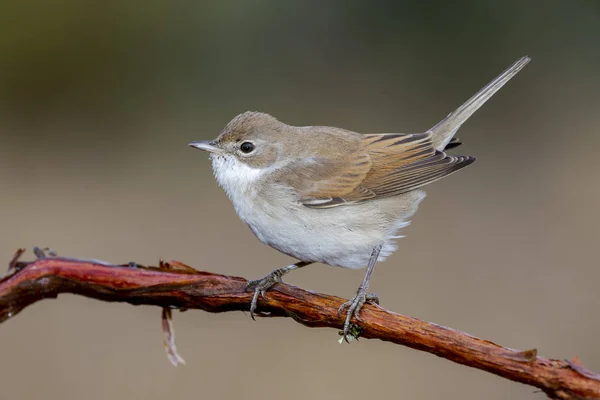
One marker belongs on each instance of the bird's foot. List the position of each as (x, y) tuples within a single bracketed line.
[(45, 252), (260, 286), (354, 306)]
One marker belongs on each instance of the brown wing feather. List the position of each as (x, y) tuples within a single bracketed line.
[(390, 152), (397, 163), (338, 178), (419, 174), (319, 180)]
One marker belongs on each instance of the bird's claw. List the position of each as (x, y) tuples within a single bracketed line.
[(354, 306), (260, 288), (45, 252)]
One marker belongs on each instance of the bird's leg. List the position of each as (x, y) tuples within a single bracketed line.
[(262, 285), (354, 306)]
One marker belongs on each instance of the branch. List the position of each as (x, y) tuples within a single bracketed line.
[(176, 286)]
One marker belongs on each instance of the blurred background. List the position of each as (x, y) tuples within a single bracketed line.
[(98, 101)]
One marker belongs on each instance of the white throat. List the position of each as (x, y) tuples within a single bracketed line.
[(237, 179)]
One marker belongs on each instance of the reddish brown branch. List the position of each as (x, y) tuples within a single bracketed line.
[(174, 285)]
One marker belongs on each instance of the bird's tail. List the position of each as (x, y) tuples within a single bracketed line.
[(442, 133)]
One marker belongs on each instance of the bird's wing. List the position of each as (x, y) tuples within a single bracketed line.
[(383, 165)]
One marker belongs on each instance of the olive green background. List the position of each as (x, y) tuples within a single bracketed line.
[(98, 101)]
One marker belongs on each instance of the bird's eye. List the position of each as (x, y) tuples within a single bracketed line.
[(247, 147)]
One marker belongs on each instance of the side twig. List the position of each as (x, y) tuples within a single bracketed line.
[(176, 286)]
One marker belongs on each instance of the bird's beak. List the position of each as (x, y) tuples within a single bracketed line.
[(206, 145)]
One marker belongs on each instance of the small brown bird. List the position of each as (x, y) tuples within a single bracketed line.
[(330, 195)]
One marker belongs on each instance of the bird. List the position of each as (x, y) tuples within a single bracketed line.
[(330, 195)]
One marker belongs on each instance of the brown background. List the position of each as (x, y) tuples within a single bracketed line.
[(99, 100)]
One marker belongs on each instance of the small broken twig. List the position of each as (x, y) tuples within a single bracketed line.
[(169, 338)]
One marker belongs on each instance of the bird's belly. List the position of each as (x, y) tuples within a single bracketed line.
[(341, 236), (322, 242)]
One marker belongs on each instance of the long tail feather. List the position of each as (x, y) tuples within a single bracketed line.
[(442, 133)]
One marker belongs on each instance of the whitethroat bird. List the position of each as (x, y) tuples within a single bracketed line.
[(330, 195)]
